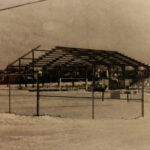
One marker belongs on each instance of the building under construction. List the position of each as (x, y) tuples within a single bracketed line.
[(109, 69)]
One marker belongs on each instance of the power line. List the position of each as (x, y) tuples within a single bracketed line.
[(12, 7)]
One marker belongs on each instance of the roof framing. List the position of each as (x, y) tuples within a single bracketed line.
[(69, 57)]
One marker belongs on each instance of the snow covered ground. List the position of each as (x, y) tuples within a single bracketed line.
[(66, 133), (48, 133), (72, 104)]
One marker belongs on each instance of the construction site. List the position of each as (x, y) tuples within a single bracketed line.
[(74, 75), (85, 76)]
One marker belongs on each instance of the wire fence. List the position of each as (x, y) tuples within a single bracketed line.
[(42, 100), (69, 104)]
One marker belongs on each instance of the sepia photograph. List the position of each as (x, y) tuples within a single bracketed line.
[(74, 75)]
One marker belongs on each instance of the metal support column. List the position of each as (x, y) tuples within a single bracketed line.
[(33, 66), (86, 84), (86, 81), (38, 96), (59, 78), (19, 74), (102, 96), (43, 74), (109, 76), (59, 84), (123, 74), (142, 100), (26, 74), (7, 76), (73, 77)]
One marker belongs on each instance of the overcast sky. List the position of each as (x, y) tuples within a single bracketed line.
[(122, 25)]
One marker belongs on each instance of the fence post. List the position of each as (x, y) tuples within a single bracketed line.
[(142, 97), (38, 96), (9, 94), (33, 67), (93, 92)]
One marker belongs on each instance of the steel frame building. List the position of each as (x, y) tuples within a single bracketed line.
[(38, 61), (60, 58)]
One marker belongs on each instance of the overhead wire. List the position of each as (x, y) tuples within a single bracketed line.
[(16, 6)]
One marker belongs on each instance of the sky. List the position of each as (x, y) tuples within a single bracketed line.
[(109, 25)]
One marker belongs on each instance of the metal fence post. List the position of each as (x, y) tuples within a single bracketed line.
[(93, 111), (9, 94), (33, 66), (142, 97)]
